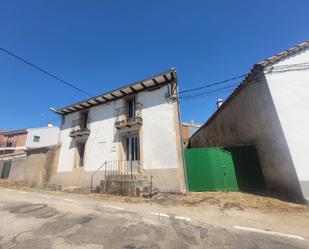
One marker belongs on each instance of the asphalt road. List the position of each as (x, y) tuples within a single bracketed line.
[(33, 220)]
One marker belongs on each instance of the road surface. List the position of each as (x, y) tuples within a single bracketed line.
[(33, 220)]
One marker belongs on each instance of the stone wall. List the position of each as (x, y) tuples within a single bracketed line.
[(36, 169)]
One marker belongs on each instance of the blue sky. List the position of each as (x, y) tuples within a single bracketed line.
[(102, 45)]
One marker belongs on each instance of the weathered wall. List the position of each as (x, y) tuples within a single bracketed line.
[(250, 117), (49, 136), (36, 169), (160, 142)]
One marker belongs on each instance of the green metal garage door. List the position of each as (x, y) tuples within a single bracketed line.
[(210, 169)]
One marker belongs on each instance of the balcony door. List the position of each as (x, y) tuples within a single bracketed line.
[(131, 108)]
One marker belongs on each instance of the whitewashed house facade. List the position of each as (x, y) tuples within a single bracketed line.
[(135, 128)]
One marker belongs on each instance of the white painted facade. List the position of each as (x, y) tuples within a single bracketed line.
[(42, 137), (289, 87), (269, 111), (159, 134)]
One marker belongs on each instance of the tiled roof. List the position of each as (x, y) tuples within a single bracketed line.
[(284, 54)]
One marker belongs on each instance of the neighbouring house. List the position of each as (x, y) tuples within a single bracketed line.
[(42, 137), (29, 155), (13, 143), (269, 110), (188, 129), (130, 132)]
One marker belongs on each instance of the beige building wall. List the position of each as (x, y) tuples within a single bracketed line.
[(37, 169)]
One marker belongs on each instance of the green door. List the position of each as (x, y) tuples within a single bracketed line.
[(6, 169), (210, 169)]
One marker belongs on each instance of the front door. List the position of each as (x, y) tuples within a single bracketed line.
[(6, 169), (132, 151)]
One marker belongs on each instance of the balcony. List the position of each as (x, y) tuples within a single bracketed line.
[(8, 146), (79, 129), (129, 117)]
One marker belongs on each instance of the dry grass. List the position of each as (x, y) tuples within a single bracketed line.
[(241, 201)]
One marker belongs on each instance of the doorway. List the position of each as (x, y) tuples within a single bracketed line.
[(6, 169), (132, 152)]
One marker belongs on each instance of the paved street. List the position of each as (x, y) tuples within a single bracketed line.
[(37, 220)]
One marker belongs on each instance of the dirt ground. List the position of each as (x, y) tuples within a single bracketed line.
[(222, 200)]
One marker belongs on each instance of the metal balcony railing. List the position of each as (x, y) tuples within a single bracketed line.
[(79, 128), (129, 116)]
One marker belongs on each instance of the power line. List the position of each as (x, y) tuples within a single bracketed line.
[(205, 95), (212, 91), (212, 84), (45, 72)]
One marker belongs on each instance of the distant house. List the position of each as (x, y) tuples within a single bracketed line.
[(13, 143), (269, 109), (131, 131), (188, 129), (42, 137), (26, 154)]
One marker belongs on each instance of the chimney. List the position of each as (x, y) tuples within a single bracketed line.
[(219, 103), (50, 124)]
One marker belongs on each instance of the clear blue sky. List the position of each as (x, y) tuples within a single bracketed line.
[(102, 45)]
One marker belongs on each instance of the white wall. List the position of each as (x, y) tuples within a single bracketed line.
[(290, 92), (67, 150), (102, 144), (49, 136), (158, 130)]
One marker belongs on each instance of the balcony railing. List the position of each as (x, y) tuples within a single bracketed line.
[(7, 144), (79, 129), (129, 116)]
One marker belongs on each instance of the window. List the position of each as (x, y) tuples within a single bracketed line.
[(36, 139), (81, 153)]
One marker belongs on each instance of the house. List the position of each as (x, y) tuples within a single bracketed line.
[(28, 155), (13, 143), (188, 129), (131, 131), (42, 137), (269, 110)]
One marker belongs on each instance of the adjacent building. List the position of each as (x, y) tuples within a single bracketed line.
[(28, 154), (269, 109), (13, 143), (134, 130), (188, 129)]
